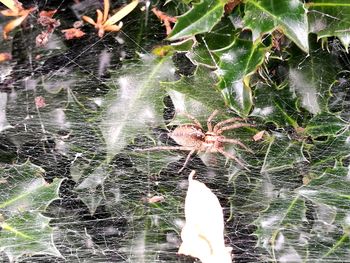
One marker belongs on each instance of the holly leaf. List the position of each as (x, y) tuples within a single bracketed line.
[(330, 189), (236, 62), (330, 18), (160, 160), (325, 124), (202, 17), (24, 194), (27, 233), (276, 105), (326, 151), (221, 36), (23, 188), (199, 87), (286, 231), (200, 55), (282, 154), (279, 227), (90, 189), (305, 82), (136, 103), (330, 196), (264, 16)]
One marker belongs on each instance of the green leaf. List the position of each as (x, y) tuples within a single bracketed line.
[(24, 189), (264, 16), (237, 61), (276, 105), (326, 152), (23, 195), (222, 35), (331, 188), (90, 189), (282, 154), (330, 18), (279, 228), (333, 253), (184, 46), (311, 78), (153, 163), (78, 112), (200, 55), (325, 124), (29, 234), (152, 226), (202, 17), (330, 196), (199, 87), (136, 104), (286, 231)]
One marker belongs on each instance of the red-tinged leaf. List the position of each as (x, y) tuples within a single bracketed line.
[(5, 56), (71, 33)]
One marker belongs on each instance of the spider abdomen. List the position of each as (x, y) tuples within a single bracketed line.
[(188, 135)]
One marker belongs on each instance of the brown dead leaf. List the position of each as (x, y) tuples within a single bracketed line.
[(18, 11), (154, 199), (40, 102), (5, 56), (104, 24), (71, 33), (258, 136), (47, 13), (45, 19), (165, 19), (42, 39)]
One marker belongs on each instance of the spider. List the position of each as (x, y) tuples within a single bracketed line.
[(192, 137)]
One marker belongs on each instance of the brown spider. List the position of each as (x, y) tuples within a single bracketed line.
[(192, 137)]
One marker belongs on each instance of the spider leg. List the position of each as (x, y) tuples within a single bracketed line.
[(191, 117), (182, 148), (161, 148), (235, 142), (234, 126), (187, 159), (211, 117), (222, 123), (231, 156)]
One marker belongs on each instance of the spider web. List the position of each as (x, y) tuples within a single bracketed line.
[(52, 110)]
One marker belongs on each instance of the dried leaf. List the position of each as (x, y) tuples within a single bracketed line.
[(89, 20), (121, 13), (154, 199), (203, 233), (258, 136), (19, 12), (114, 28), (165, 19), (48, 22), (5, 56), (42, 39), (103, 24), (105, 9), (11, 25), (71, 33), (11, 4), (47, 13), (40, 102)]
